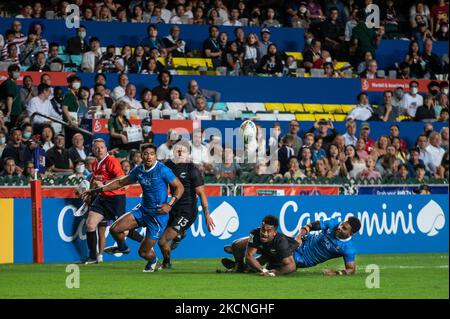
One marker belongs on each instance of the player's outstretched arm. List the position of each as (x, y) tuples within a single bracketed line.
[(306, 229), (200, 190), (288, 266), (350, 269), (252, 261), (115, 184), (178, 188)]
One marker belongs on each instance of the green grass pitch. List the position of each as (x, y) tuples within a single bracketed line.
[(401, 276)]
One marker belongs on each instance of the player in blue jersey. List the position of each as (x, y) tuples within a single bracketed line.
[(153, 212), (334, 240)]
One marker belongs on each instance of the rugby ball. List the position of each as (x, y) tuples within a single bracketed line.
[(247, 131)]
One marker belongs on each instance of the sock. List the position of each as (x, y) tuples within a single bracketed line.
[(91, 238), (122, 245), (166, 260), (134, 235)]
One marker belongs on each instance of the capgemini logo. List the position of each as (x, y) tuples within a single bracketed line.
[(431, 219), (226, 219)]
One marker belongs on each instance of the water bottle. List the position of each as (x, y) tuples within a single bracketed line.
[(237, 68)]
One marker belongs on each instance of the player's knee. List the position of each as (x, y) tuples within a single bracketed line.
[(162, 242), (91, 226)]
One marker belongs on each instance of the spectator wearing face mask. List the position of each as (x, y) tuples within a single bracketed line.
[(80, 170), (412, 100), (77, 44), (147, 133), (397, 96), (27, 133)]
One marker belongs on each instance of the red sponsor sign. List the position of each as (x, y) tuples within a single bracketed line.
[(58, 78), (288, 190), (381, 85), (100, 126)]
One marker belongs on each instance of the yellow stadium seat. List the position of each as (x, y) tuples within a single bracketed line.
[(177, 62), (325, 116), (162, 60), (404, 117), (274, 107), (188, 72), (340, 65), (305, 117), (296, 55), (340, 117), (332, 108), (209, 63), (313, 108), (196, 62), (347, 108), (293, 107)]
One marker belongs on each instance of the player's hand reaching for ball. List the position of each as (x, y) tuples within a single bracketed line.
[(267, 273), (329, 272), (164, 209)]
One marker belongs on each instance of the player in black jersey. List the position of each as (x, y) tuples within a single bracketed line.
[(276, 250), (184, 212)]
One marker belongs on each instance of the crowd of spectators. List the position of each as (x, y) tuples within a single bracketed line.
[(335, 31), (319, 152), (410, 105)]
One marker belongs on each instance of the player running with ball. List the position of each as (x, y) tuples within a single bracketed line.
[(153, 212)]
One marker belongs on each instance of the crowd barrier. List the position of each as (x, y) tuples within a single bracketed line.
[(390, 224)]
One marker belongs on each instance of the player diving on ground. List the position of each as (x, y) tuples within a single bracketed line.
[(283, 255)]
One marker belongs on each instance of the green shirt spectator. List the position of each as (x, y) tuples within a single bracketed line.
[(71, 101), (365, 39), (9, 89)]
